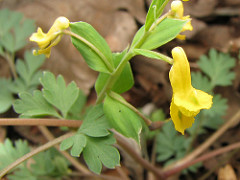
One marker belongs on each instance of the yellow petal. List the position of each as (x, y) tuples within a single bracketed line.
[(186, 101), (46, 41), (181, 122), (59, 24), (181, 37), (179, 74), (192, 103), (177, 8)]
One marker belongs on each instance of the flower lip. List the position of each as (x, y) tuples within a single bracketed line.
[(47, 40)]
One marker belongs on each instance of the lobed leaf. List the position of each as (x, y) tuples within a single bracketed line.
[(100, 151), (199, 81), (10, 153), (34, 105), (95, 123), (218, 68), (57, 93), (6, 97)]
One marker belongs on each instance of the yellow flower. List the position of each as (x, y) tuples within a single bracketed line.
[(186, 100), (47, 40), (177, 13)]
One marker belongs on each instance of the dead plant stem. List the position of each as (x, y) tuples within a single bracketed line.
[(34, 152), (39, 122), (49, 136)]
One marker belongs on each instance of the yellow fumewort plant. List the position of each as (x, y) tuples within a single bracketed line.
[(177, 11), (186, 100), (47, 40)]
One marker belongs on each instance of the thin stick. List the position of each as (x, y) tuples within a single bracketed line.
[(147, 165), (49, 136), (34, 152), (202, 158), (39, 122)]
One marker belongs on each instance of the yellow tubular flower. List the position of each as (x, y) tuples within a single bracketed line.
[(186, 100), (177, 13), (47, 40)]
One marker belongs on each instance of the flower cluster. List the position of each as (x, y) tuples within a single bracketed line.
[(47, 40), (177, 13), (186, 100)]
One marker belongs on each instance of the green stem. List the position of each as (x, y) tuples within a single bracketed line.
[(34, 152), (89, 44), (114, 76), (114, 96)]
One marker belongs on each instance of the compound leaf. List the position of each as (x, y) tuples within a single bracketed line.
[(29, 75), (6, 97), (57, 93), (34, 105), (75, 111), (218, 67), (10, 153), (100, 151), (77, 142), (169, 144), (95, 123), (199, 81)]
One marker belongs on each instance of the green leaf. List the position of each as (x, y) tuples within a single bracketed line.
[(95, 124), (166, 31), (199, 81), (10, 153), (57, 93), (6, 97), (14, 30), (100, 151), (22, 174), (75, 111), (22, 31), (8, 42), (34, 105), (218, 108), (12, 18), (155, 10), (29, 75), (218, 67), (152, 54), (213, 122), (170, 146), (93, 47), (124, 82), (123, 119), (77, 142)]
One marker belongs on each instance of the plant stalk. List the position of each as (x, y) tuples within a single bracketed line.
[(39, 122)]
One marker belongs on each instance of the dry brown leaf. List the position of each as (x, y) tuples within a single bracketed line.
[(226, 173)]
